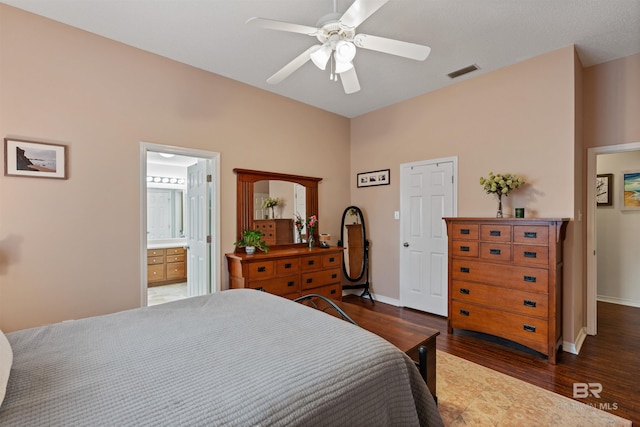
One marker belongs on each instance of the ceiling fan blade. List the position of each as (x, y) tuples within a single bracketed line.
[(292, 66), (350, 81), (394, 47), (270, 24), (359, 11)]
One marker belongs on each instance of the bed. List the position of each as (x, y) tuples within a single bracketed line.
[(239, 357)]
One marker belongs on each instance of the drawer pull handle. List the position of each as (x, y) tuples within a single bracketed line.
[(494, 251), (528, 254), (464, 270), (309, 280), (334, 275), (530, 279), (332, 259), (464, 312), (464, 291), (529, 328), (333, 291), (529, 303), (310, 262), (494, 233), (287, 265), (464, 231), (530, 234), (291, 283), (464, 248), (262, 269)]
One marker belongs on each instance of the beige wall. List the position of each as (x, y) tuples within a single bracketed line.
[(612, 102), (519, 119), (70, 249)]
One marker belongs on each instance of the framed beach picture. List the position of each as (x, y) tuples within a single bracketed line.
[(604, 189), (631, 188), (369, 179), (34, 159)]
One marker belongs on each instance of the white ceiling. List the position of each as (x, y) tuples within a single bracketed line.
[(212, 35)]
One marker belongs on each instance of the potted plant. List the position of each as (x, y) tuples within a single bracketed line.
[(251, 239)]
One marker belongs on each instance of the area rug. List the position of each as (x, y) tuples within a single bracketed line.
[(472, 395)]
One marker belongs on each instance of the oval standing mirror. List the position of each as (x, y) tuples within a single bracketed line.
[(355, 262)]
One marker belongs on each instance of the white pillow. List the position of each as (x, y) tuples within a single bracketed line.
[(6, 358)]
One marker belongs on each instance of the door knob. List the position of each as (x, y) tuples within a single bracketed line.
[(405, 244)]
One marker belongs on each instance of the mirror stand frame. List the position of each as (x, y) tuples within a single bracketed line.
[(365, 257), (246, 178)]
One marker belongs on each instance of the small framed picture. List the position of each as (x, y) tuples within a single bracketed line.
[(369, 179), (34, 159), (631, 188), (604, 189)]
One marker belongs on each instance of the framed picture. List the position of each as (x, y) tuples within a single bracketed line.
[(604, 189), (34, 159), (631, 189), (369, 179)]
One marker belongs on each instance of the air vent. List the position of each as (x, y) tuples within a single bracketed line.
[(463, 71)]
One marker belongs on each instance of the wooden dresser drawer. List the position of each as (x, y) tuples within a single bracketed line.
[(155, 252), (519, 302), (331, 260), (279, 285), (495, 251), (463, 248), (155, 260), (465, 231), (155, 272), (331, 291), (320, 278), (529, 331), (531, 234), (520, 278), (261, 270), (287, 266), (531, 255), (311, 263), (495, 232), (175, 251), (175, 258)]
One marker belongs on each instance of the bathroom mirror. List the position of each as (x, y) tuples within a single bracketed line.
[(165, 214), (298, 194), (355, 262)]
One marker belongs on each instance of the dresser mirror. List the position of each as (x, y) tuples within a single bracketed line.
[(355, 261), (295, 194)]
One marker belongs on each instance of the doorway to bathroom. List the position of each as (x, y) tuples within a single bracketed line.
[(179, 197)]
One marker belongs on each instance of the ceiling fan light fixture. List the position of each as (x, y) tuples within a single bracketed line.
[(321, 56), (345, 51), (341, 67)]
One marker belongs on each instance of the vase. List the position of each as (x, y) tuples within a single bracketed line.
[(300, 236), (250, 250), (499, 213), (311, 241)]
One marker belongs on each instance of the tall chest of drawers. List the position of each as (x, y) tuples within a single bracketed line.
[(505, 279), (290, 273)]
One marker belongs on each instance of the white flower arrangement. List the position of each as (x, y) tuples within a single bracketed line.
[(500, 184)]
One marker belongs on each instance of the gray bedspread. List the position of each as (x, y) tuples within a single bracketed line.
[(235, 358)]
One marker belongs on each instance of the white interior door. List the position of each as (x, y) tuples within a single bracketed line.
[(427, 195), (198, 229)]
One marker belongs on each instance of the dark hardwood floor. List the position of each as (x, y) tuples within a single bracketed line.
[(611, 358)]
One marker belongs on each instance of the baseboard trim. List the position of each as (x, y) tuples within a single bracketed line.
[(381, 298), (574, 348), (620, 301)]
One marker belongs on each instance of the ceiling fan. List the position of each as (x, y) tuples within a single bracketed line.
[(337, 35)]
